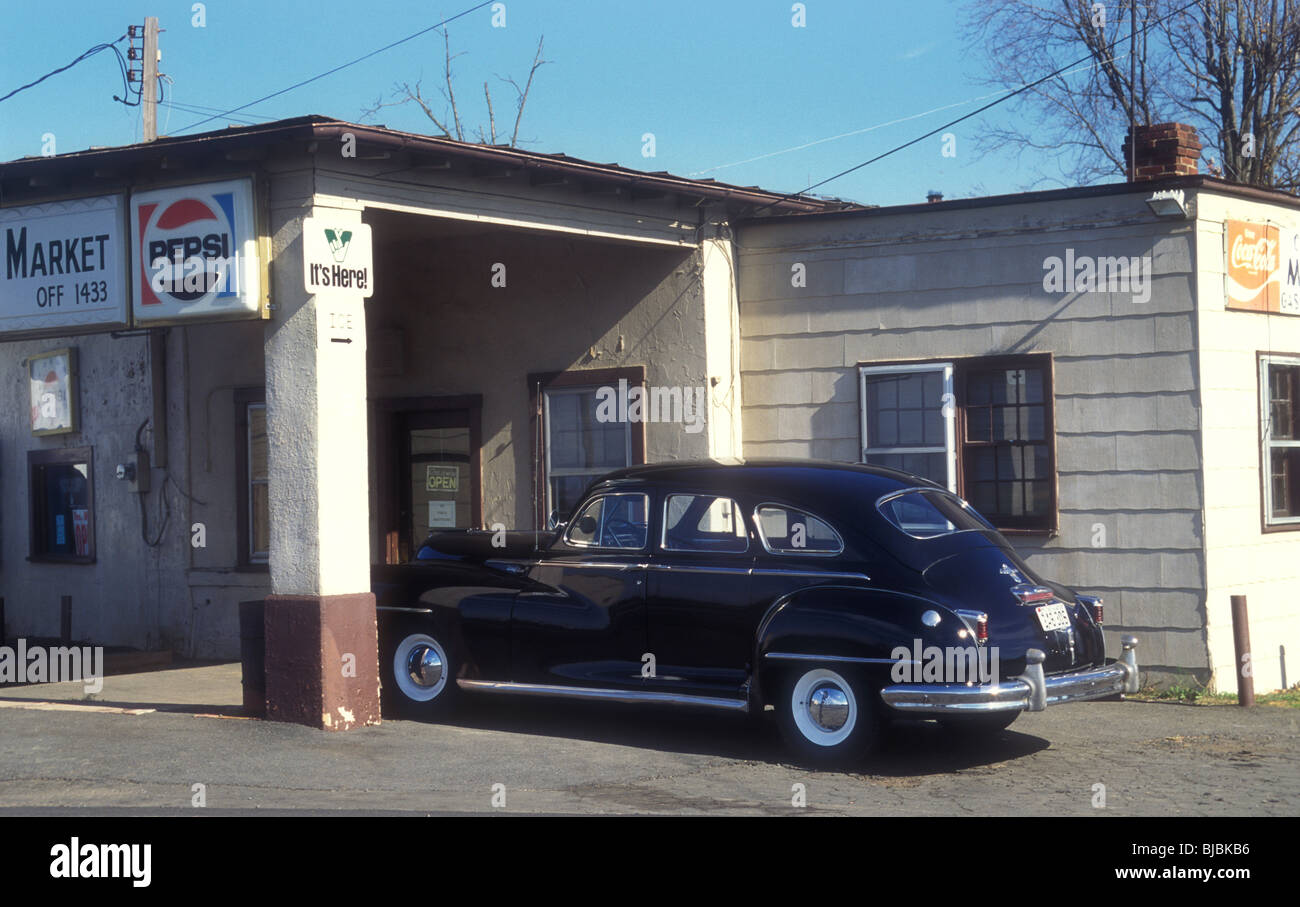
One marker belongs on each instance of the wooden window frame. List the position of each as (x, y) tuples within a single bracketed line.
[(36, 459), (541, 382), (245, 397), (962, 367)]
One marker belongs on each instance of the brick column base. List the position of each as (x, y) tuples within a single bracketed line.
[(310, 678)]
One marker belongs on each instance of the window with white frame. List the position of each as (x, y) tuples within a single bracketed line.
[(907, 419), (1279, 383)]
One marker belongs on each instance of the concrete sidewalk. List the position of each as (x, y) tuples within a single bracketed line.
[(195, 687)]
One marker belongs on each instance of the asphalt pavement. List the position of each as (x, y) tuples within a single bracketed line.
[(163, 741)]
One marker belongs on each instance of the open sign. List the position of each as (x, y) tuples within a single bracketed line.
[(441, 478)]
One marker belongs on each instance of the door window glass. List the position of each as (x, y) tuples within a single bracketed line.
[(788, 531), (698, 522), (611, 521), (439, 479)]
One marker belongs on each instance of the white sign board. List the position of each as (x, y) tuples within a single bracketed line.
[(194, 253), (64, 265), (337, 257), (442, 514)]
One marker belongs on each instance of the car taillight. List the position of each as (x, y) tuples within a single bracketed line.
[(1030, 594), (978, 622), (1094, 606)]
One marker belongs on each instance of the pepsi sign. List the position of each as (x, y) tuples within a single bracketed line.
[(195, 253)]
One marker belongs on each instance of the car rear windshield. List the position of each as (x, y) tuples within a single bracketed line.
[(925, 513)]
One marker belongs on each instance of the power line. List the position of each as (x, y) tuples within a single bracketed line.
[(199, 109), (1006, 97), (851, 133), (342, 66), (90, 53)]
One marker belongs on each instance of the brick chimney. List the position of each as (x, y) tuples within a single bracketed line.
[(1164, 149)]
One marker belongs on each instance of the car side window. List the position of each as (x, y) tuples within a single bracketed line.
[(701, 522), (611, 521), (785, 530)]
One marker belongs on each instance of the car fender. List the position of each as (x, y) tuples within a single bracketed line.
[(473, 620), (855, 625)]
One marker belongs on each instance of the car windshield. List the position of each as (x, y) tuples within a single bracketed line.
[(925, 513)]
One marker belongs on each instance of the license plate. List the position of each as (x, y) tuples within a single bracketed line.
[(1053, 617)]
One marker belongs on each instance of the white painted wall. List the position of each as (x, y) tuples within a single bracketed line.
[(1241, 559), (316, 422)]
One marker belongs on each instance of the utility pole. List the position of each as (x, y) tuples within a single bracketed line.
[(1132, 91), (149, 86)]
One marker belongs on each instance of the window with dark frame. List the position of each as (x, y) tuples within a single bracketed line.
[(572, 447), (61, 502), (252, 478), (579, 448), (1006, 453), (981, 427), (1280, 440)]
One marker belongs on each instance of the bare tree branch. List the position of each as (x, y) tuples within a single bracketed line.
[(450, 122), (1231, 68)]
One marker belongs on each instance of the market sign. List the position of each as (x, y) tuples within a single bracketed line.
[(195, 254), (64, 266), (1263, 268), (337, 257)]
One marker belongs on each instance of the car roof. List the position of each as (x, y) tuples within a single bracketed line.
[(811, 483)]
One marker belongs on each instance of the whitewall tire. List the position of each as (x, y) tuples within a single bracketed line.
[(420, 675), (826, 714)]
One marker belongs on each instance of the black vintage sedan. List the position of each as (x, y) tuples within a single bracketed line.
[(834, 595)]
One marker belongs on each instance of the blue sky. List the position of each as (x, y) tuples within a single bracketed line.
[(724, 86)]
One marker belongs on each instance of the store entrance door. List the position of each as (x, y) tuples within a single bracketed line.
[(434, 456)]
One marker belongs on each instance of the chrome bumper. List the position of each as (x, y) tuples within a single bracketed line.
[(1030, 692)]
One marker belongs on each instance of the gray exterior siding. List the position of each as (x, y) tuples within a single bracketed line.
[(969, 283)]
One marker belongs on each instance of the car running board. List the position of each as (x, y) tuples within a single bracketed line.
[(592, 693)]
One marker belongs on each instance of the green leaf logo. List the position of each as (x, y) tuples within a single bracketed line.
[(338, 240)]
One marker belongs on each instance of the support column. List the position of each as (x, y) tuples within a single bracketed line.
[(322, 666), (722, 345)]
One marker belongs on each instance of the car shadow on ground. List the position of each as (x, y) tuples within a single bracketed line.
[(910, 748)]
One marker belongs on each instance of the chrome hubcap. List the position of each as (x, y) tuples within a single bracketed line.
[(424, 666), (828, 707)]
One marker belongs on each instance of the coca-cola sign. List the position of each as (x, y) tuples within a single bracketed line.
[(1262, 268), (1256, 256)]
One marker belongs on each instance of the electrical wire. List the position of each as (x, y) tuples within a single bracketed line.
[(90, 53), (197, 109), (951, 123), (342, 66)]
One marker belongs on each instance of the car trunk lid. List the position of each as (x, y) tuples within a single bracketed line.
[(1024, 611)]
